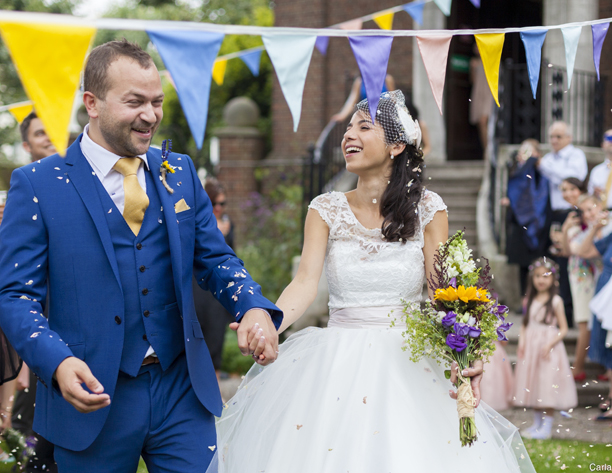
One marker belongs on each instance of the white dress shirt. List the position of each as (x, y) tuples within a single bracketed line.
[(599, 179), (568, 162), (102, 162)]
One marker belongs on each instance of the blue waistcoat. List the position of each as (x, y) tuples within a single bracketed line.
[(151, 315)]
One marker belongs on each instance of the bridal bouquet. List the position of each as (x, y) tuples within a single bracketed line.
[(461, 324)]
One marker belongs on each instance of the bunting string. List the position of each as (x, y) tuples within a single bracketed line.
[(143, 25)]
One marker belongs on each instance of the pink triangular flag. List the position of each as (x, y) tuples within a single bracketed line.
[(434, 52), (351, 24)]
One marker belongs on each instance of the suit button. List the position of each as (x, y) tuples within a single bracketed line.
[(118, 319), (139, 246), (146, 313), (142, 269), (144, 337), (145, 291)]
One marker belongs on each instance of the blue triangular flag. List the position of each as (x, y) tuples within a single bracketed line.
[(533, 41), (415, 10), (290, 55), (189, 56), (372, 54), (252, 60)]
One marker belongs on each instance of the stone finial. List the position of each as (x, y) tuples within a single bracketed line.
[(241, 112)]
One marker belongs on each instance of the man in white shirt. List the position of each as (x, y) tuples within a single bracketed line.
[(562, 162), (600, 174)]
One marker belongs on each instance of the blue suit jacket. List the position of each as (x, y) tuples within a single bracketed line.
[(55, 236)]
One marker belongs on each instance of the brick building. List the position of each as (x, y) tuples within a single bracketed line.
[(329, 76)]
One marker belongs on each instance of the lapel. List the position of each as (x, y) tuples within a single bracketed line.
[(82, 178), (174, 237)]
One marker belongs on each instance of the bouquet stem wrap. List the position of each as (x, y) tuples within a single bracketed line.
[(466, 402)]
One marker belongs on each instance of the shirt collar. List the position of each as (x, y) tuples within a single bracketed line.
[(103, 159), (565, 152)]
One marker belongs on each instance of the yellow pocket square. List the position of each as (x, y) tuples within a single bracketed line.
[(181, 206)]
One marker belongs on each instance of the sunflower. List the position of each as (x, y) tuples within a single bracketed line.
[(467, 294), (449, 294)]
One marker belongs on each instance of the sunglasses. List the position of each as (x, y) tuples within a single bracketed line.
[(222, 204)]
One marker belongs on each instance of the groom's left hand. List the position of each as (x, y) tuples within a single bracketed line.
[(475, 373), (257, 336)]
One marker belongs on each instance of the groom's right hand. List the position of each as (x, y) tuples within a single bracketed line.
[(70, 375)]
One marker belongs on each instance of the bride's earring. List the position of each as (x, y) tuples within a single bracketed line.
[(392, 156)]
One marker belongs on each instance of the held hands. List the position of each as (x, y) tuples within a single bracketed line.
[(475, 372), (257, 336), (70, 375)]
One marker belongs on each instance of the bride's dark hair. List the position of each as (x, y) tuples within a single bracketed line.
[(400, 201)]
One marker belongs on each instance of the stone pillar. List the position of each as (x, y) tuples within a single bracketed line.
[(241, 147), (558, 12), (433, 19)]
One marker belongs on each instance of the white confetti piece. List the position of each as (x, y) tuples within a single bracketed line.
[(35, 334), (299, 426), (60, 177), (29, 283), (212, 448), (35, 200), (57, 169), (110, 210), (35, 217)]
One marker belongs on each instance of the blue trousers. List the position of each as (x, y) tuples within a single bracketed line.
[(155, 415)]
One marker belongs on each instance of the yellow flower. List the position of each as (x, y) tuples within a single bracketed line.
[(481, 294), (168, 167), (448, 294), (467, 294)]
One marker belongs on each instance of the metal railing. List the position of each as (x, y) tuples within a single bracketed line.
[(325, 161)]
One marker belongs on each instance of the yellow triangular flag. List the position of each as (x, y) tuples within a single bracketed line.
[(218, 72), (490, 47), (49, 59), (385, 20), (21, 110)]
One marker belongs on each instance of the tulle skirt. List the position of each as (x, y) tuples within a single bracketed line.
[(348, 399), (497, 386)]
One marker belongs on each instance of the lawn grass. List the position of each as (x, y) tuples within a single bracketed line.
[(560, 455)]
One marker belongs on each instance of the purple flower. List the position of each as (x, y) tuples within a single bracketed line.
[(453, 282), (473, 332), (501, 331), (461, 329), (456, 342), (499, 311), (449, 319)]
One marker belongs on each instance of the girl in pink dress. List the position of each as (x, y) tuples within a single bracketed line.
[(497, 386), (543, 376)]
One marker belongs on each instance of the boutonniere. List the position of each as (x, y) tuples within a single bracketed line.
[(165, 167)]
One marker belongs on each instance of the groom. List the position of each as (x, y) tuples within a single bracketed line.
[(121, 360)]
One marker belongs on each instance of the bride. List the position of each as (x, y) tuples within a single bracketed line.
[(347, 398)]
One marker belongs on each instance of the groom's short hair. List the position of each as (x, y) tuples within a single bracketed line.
[(95, 78)]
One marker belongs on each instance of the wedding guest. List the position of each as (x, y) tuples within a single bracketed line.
[(600, 351), (583, 272), (543, 376), (35, 139), (36, 142), (213, 317), (357, 94), (600, 179), (497, 386), (528, 209)]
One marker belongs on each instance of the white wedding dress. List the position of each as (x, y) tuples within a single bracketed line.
[(347, 398)]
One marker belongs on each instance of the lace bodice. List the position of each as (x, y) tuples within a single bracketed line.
[(362, 269)]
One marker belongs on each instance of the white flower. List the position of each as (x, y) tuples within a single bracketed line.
[(452, 272), (441, 314), (472, 321)]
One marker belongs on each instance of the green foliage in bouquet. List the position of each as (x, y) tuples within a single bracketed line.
[(460, 325)]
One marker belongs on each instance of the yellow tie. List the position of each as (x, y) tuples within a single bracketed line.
[(136, 200)]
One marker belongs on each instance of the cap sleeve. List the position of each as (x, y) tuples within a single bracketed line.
[(327, 205), (428, 206)]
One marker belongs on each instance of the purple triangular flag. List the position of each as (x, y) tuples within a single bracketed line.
[(321, 43), (372, 55), (533, 41), (599, 35), (476, 3)]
